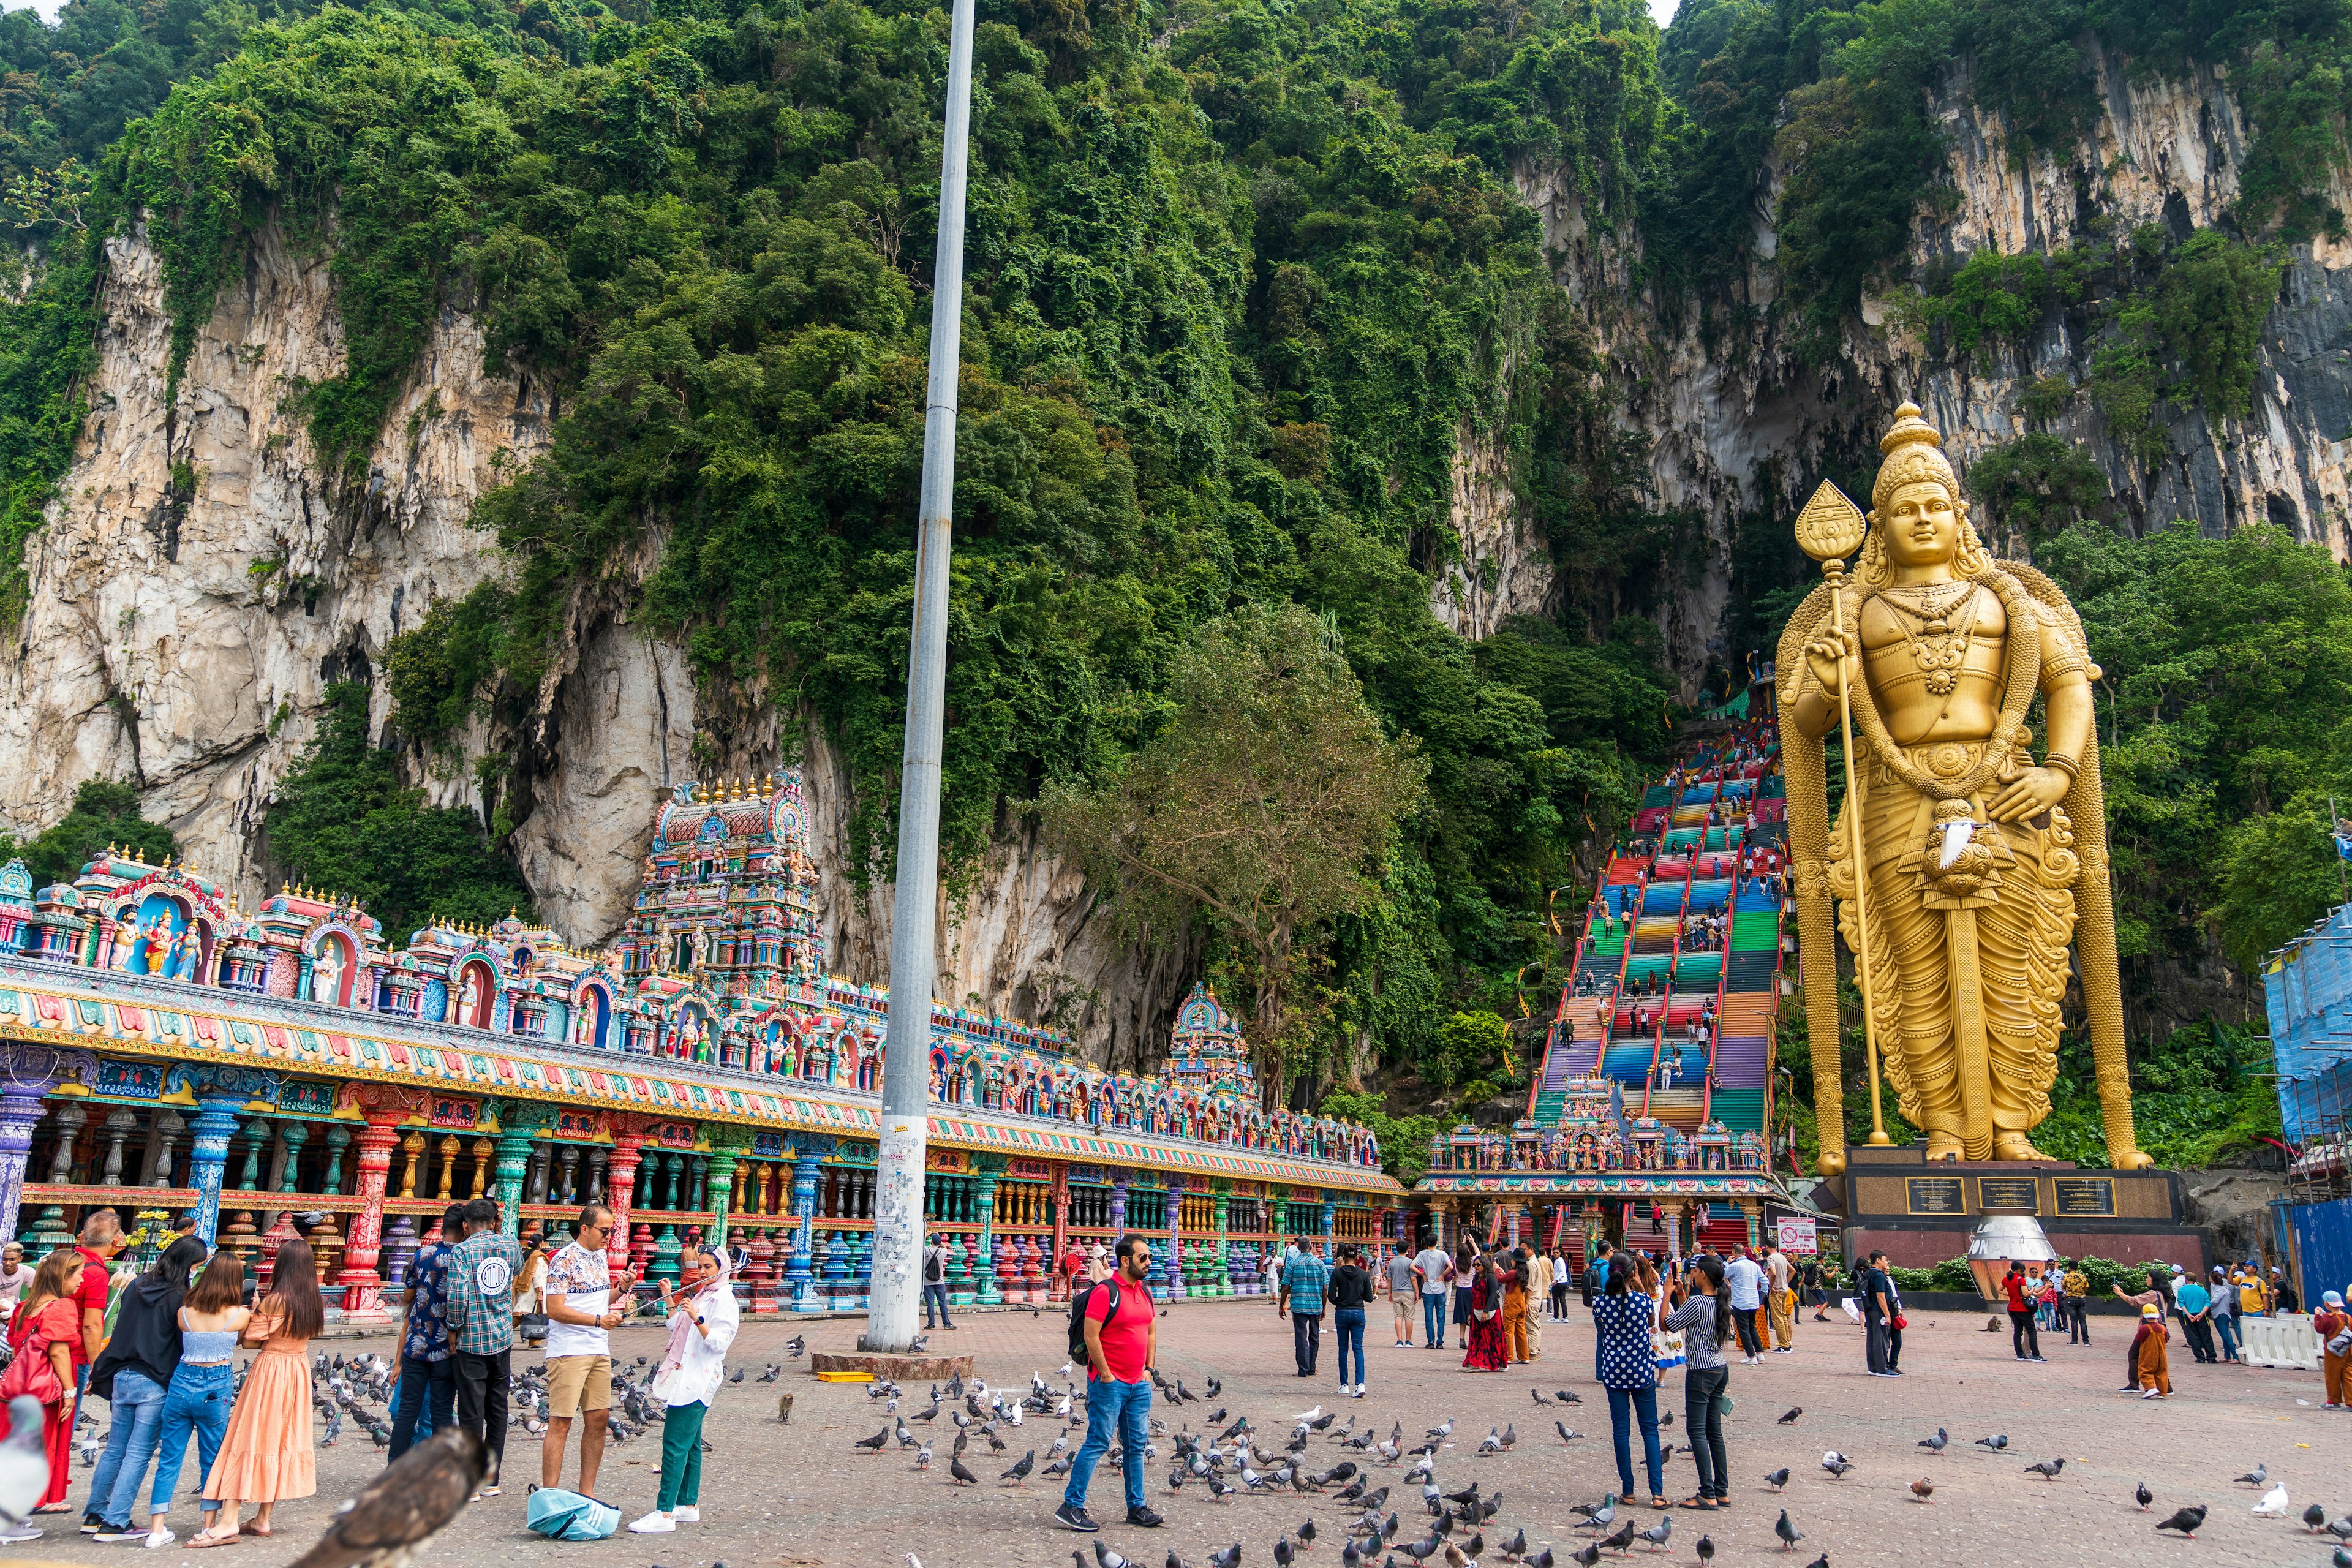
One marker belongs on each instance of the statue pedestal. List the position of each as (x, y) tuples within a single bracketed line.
[(1922, 1213)]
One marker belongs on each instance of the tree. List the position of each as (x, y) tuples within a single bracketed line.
[(1261, 808), (104, 813), (343, 821)]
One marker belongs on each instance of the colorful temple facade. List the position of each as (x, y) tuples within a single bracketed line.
[(163, 1051)]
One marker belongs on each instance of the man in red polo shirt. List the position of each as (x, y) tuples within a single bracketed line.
[(102, 1238), (1121, 1347)]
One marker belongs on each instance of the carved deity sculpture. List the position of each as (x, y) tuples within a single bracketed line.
[(325, 974), (127, 933), (470, 996), (1980, 859)]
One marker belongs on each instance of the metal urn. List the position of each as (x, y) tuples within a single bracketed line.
[(2001, 1240)]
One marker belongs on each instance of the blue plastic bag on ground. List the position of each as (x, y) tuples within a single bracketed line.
[(560, 1515)]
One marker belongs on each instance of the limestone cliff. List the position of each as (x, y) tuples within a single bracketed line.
[(199, 581)]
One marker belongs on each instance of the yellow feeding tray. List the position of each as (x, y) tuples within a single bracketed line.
[(844, 1378)]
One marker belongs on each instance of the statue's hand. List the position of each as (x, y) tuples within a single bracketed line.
[(1833, 660), (2030, 793)]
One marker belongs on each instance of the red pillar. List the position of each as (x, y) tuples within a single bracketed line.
[(620, 1186), (362, 1285)]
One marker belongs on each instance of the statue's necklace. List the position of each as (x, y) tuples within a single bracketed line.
[(1937, 648)]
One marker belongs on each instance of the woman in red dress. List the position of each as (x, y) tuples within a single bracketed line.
[(1488, 1351), (47, 1327)]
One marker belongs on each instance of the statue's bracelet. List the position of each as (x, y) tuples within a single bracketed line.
[(2064, 765)]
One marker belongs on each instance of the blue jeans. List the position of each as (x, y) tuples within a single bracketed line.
[(427, 1401), (1432, 1318), (198, 1402), (2228, 1328), (1347, 1326), (1128, 1406), (1624, 1406), (938, 1293), (137, 1409)]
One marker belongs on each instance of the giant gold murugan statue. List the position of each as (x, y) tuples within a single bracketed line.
[(1982, 864)]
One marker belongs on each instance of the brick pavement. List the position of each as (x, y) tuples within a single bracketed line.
[(798, 1495)]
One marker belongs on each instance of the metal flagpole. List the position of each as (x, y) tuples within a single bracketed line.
[(907, 1049)]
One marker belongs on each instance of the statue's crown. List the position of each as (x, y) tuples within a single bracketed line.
[(1908, 428)]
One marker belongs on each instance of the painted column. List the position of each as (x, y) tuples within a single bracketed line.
[(1118, 1179), (1222, 1284), (620, 1187), (516, 1125), (718, 1181), (362, 1285), (986, 1168), (1753, 1212), (221, 1092), (1330, 1215), (1056, 1286), (808, 1153), (19, 1111)]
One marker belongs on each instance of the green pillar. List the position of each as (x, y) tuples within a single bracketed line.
[(727, 1145), (518, 1124), (987, 1168), (1223, 1284)]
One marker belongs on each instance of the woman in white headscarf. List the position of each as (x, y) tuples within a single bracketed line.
[(701, 1329)]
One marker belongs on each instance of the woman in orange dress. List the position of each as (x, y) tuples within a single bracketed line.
[(43, 1335), (265, 1455)]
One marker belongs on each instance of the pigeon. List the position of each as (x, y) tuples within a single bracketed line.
[(1789, 1533), (2274, 1504), (1935, 1442), (1539, 1395), (2341, 1528), (1568, 1397), (1566, 1436), (1657, 1535), (400, 1510), (1597, 1514), (737, 1377), (1788, 1420), (2256, 1477), (1997, 1442), (1621, 1541), (1777, 1478), (1441, 1433), (1515, 1547), (1923, 1488), (1706, 1550), (1586, 1557), (923, 1457), (2048, 1469), (1510, 1434), (773, 1373), (874, 1444), (1306, 1533), (2342, 1559), (1820, 1562), (2314, 1518), (1492, 1443), (2141, 1495), (1106, 1558), (2186, 1521), (1229, 1558), (957, 1468), (1836, 1464)]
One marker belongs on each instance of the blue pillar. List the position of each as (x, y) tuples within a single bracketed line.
[(215, 1123), (1118, 1205), (19, 1111), (800, 1276)]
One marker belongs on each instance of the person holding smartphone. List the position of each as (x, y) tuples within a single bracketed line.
[(581, 1314), (703, 1319)]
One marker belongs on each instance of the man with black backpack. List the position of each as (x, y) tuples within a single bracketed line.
[(935, 1282), (1115, 1327)]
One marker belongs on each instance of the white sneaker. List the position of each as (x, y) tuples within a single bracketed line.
[(655, 1523), (686, 1513), (27, 1531), (157, 1540)]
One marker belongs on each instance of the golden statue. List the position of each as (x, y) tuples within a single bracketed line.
[(1982, 864)]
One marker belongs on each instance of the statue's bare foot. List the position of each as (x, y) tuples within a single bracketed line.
[(2014, 1146), (1942, 1146)]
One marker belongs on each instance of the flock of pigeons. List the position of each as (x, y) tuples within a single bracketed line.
[(1228, 1461)]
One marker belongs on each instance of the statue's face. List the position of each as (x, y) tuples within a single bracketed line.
[(1922, 526)]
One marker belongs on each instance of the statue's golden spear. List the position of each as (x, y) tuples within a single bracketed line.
[(1830, 528)]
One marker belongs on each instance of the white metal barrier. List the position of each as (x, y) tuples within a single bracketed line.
[(2282, 1339)]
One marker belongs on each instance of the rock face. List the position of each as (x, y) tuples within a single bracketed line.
[(200, 580), (194, 588)]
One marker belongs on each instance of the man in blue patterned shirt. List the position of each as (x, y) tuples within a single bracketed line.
[(484, 1276), (1304, 1279), (428, 1386)]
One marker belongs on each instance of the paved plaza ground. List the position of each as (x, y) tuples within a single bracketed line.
[(799, 1495)]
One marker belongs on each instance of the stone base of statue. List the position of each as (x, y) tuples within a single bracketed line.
[(922, 1368), (1922, 1212)]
